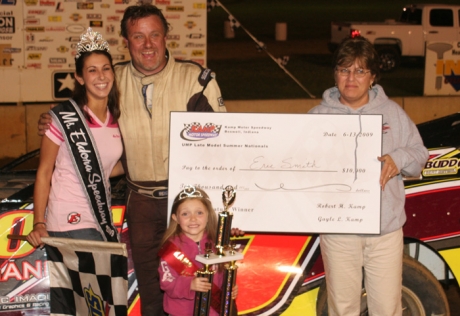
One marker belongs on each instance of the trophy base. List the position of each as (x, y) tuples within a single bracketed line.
[(215, 259)]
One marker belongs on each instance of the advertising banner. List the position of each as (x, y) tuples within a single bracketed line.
[(442, 68), (38, 40)]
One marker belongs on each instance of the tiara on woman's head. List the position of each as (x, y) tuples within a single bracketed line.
[(189, 192), (91, 41)]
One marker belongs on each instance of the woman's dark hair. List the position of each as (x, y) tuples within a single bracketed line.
[(136, 12), (79, 91), (358, 48)]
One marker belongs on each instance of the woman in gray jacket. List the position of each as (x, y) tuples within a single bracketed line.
[(379, 256)]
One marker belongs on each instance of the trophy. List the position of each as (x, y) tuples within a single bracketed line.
[(203, 299), (224, 220), (225, 254)]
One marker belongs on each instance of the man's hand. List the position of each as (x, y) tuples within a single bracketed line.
[(44, 123), (236, 232)]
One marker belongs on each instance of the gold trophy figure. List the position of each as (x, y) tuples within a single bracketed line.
[(225, 254), (224, 220)]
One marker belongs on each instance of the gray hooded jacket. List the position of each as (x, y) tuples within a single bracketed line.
[(401, 140)]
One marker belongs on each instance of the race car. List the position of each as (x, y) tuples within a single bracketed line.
[(283, 273)]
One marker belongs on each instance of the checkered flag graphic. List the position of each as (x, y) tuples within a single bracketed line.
[(188, 127), (87, 277)]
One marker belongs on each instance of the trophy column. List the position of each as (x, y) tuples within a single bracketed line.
[(225, 254)]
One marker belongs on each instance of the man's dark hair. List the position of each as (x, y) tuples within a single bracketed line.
[(136, 12)]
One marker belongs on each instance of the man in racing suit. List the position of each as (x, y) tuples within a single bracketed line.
[(152, 85)]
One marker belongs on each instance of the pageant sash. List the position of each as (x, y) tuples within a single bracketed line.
[(180, 263), (87, 163)]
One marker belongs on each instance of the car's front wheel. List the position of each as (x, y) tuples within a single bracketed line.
[(422, 294)]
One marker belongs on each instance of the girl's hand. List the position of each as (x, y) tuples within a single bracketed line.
[(200, 285), (235, 292), (34, 237)]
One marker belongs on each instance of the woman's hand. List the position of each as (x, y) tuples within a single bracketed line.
[(35, 236), (389, 170), (200, 285)]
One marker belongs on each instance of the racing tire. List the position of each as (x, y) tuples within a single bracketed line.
[(390, 57), (422, 294)]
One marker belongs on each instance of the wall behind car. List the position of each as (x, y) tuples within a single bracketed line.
[(18, 133)]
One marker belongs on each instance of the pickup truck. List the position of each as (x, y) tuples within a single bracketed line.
[(281, 274), (418, 24)]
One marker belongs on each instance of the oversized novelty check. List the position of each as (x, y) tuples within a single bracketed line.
[(309, 173)]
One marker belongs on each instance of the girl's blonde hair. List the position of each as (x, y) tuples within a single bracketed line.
[(188, 193)]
